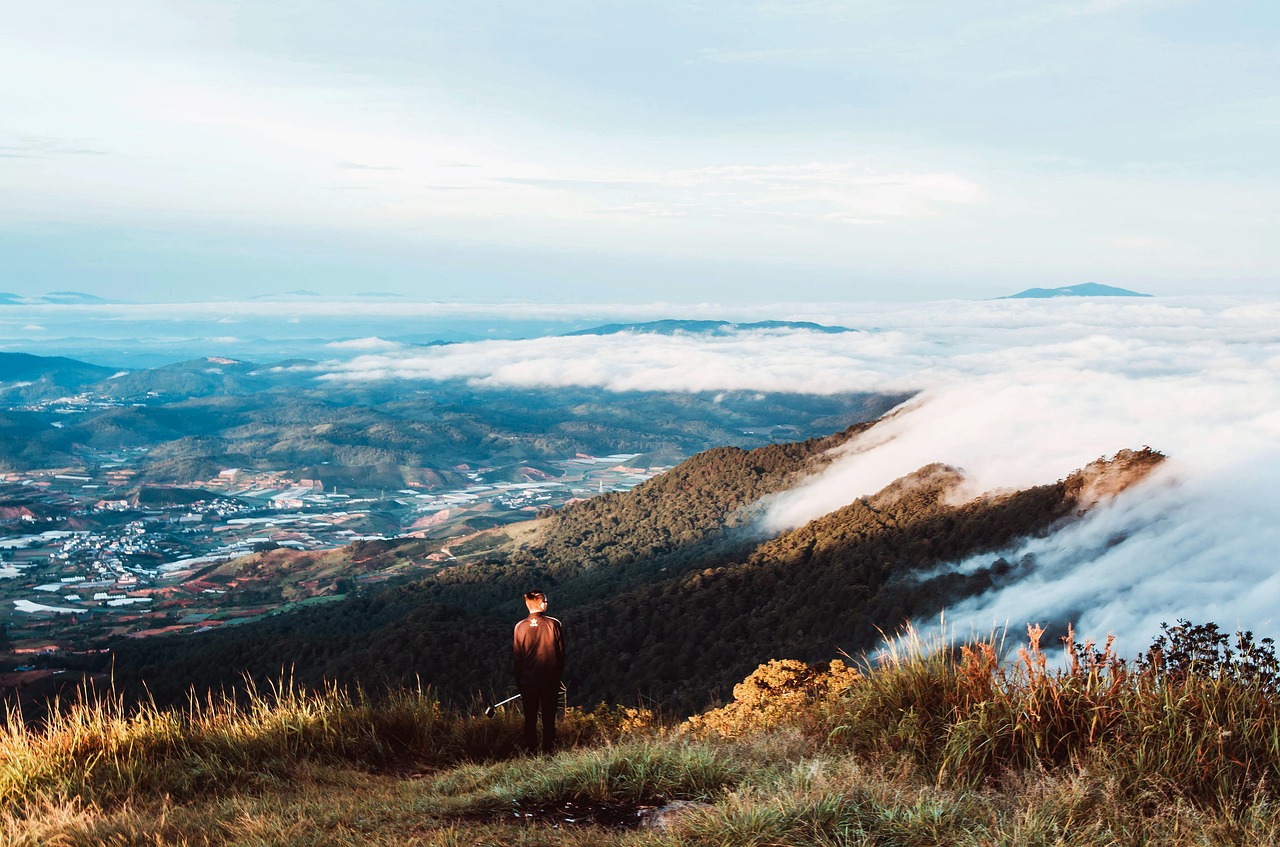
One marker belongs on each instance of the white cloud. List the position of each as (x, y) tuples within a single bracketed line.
[(1195, 382), (1195, 542), (371, 343), (774, 361)]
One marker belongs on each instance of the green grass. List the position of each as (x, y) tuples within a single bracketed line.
[(932, 745)]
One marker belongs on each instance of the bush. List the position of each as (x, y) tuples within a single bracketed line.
[(781, 692)]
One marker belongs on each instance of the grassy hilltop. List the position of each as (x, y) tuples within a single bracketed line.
[(928, 745)]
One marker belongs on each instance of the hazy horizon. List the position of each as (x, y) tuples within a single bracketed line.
[(139, 334)]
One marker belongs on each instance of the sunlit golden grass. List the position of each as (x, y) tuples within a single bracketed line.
[(929, 744), (99, 750)]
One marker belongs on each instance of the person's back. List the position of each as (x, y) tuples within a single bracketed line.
[(539, 667), (539, 651)]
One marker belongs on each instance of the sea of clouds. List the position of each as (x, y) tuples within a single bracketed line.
[(1014, 393)]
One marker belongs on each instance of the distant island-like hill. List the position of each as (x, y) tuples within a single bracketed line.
[(672, 327), (8, 298), (1087, 289)]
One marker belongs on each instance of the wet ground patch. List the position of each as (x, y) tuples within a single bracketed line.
[(609, 815)]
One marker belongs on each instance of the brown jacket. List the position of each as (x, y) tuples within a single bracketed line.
[(539, 652)]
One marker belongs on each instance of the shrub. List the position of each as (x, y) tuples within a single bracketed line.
[(779, 692)]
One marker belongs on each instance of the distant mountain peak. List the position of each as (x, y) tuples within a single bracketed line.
[(1084, 289)]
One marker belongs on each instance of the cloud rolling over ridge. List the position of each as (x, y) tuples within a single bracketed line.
[(1197, 545), (1014, 394)]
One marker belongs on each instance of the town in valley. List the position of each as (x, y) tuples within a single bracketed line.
[(88, 554)]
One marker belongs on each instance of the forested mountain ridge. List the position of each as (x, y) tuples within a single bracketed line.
[(50, 375), (662, 593), (705, 498), (836, 583)]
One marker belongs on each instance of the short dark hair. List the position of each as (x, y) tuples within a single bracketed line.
[(533, 598)]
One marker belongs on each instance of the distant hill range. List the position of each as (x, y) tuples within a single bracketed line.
[(1086, 289), (204, 377), (27, 377), (675, 327), (66, 298)]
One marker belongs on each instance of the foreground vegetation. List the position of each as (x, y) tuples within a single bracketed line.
[(924, 745)]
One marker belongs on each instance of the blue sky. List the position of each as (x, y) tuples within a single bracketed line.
[(613, 151)]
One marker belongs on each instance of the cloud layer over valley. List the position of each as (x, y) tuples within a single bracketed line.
[(1015, 394)]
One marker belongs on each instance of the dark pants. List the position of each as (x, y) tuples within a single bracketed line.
[(534, 700)]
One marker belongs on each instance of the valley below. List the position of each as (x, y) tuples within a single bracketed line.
[(179, 500)]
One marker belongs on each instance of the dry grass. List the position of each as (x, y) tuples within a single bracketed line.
[(97, 750), (1206, 733), (933, 745)]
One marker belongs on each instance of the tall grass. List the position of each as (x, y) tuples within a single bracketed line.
[(98, 749), (1204, 729), (1180, 747)]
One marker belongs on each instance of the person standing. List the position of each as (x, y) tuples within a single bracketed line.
[(539, 661)]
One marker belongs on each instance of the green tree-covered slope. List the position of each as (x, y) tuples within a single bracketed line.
[(664, 590)]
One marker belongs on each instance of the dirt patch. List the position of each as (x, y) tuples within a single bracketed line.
[(570, 813)]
